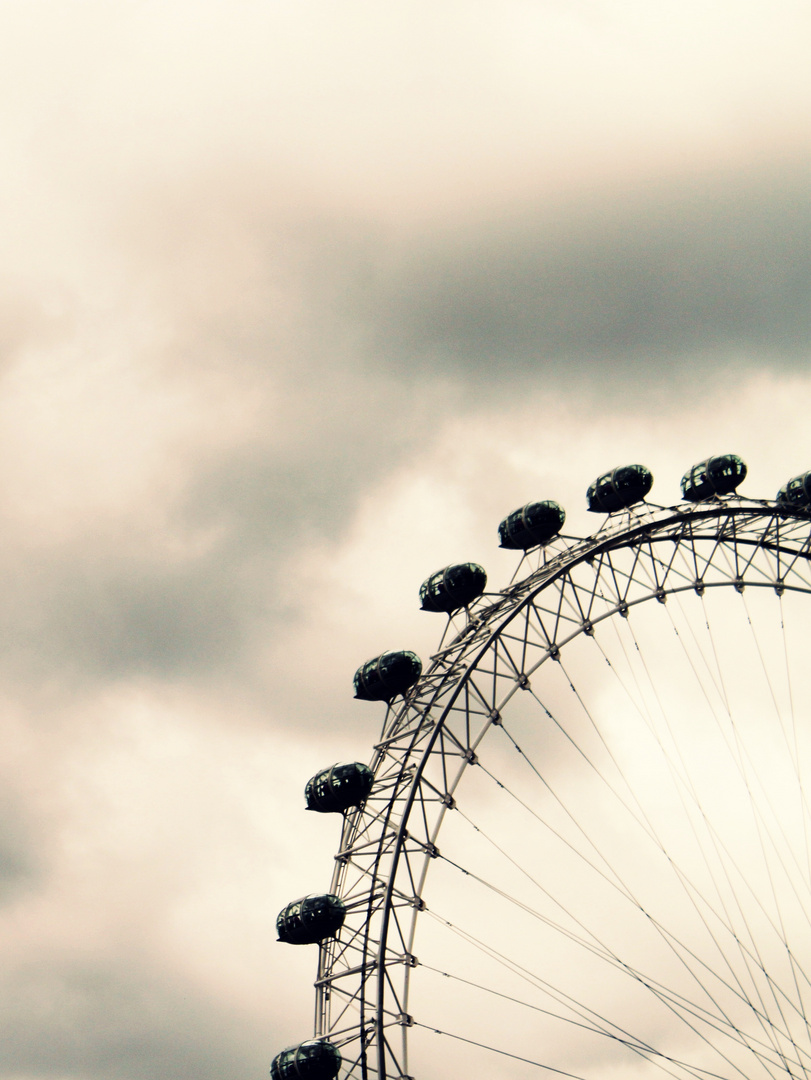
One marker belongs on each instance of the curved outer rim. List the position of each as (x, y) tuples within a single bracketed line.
[(719, 520)]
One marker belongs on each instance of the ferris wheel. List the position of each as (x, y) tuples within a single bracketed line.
[(581, 847)]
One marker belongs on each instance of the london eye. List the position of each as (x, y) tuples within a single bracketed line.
[(581, 844)]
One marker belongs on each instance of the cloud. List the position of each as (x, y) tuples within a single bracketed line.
[(637, 284), (115, 1019), (299, 303), (20, 863), (298, 365)]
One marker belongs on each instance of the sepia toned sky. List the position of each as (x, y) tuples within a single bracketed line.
[(297, 300)]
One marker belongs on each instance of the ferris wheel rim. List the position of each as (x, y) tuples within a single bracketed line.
[(622, 530)]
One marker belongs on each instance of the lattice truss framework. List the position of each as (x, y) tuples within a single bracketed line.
[(431, 738)]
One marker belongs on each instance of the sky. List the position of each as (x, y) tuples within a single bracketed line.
[(298, 301)]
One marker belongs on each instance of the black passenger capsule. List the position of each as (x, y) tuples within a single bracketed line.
[(453, 587), (387, 675), (316, 1059), (619, 489), (534, 524), (797, 492), (334, 790), (310, 919), (715, 476)]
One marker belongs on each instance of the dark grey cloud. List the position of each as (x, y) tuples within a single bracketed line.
[(383, 338), (131, 597), (655, 281), (109, 1019), (20, 866), (694, 274), (100, 608), (397, 332)]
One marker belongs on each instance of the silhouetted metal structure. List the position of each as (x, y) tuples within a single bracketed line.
[(506, 657)]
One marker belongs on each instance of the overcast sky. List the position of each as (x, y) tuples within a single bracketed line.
[(298, 300)]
